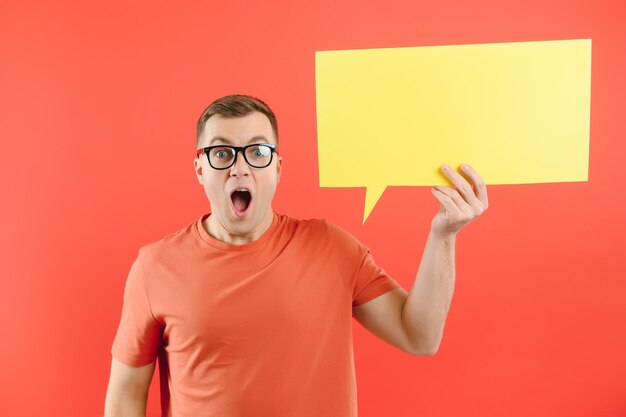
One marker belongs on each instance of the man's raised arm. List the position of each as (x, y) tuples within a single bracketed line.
[(414, 321), (427, 305)]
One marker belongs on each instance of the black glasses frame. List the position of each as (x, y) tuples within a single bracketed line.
[(236, 149)]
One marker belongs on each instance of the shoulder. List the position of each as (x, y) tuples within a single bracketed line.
[(328, 233), (170, 244)]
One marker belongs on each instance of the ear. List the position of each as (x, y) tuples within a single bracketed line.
[(279, 163), (197, 166)]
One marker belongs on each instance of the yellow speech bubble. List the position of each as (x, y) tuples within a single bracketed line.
[(518, 112)]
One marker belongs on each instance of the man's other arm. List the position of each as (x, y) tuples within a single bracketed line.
[(127, 394)]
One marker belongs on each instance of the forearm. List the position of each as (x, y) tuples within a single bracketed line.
[(426, 308)]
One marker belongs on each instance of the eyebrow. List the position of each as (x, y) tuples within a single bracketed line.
[(224, 140)]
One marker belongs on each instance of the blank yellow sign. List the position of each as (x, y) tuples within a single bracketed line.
[(518, 112)]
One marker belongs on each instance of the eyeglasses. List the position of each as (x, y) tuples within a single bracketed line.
[(223, 157)]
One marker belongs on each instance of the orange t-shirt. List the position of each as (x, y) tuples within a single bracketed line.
[(262, 329)]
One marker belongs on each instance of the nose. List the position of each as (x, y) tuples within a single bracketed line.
[(240, 167)]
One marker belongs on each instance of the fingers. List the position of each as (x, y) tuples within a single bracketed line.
[(456, 203), (479, 201), (479, 183), (447, 202)]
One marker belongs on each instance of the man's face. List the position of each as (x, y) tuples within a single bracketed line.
[(232, 213)]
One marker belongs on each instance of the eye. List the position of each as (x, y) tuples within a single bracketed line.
[(221, 153), (260, 151)]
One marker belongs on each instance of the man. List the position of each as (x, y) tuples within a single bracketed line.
[(250, 311)]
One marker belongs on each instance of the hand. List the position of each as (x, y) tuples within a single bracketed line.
[(459, 205)]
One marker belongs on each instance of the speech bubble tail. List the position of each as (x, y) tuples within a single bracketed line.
[(372, 195)]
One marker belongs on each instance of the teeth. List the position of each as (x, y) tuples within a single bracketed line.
[(241, 189)]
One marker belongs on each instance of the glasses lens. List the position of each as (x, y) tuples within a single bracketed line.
[(259, 156), (221, 157)]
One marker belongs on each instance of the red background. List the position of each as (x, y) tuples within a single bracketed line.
[(98, 104)]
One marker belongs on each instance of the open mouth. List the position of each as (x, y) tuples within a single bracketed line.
[(241, 200)]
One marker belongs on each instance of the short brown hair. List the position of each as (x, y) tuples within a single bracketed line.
[(236, 105)]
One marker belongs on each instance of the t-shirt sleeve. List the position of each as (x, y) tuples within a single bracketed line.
[(371, 281), (138, 336)]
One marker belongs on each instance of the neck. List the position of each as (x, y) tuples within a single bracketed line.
[(222, 232)]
